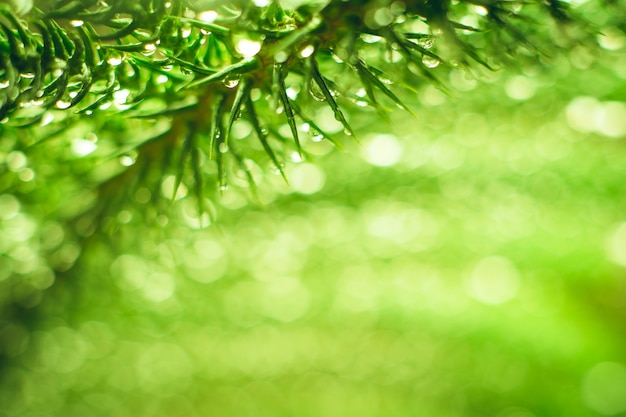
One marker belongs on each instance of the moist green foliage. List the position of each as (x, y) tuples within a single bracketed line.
[(196, 79)]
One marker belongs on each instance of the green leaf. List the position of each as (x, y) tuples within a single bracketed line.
[(330, 99), (409, 54), (217, 114), (210, 27), (238, 68), (242, 95), (314, 126), (217, 136), (370, 79), (279, 83), (262, 135), (185, 64)]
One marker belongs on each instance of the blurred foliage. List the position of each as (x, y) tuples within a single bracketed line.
[(469, 261)]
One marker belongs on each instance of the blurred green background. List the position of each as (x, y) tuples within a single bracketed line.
[(470, 262)]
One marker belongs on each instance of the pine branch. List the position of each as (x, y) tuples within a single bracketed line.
[(199, 71)]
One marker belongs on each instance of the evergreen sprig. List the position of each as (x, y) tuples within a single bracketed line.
[(192, 70)]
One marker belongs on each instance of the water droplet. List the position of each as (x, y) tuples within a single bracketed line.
[(315, 91), (114, 61), (231, 81), (430, 62), (185, 32), (62, 104), (293, 91), (307, 51), (426, 42), (128, 159), (76, 23), (248, 47), (367, 38), (31, 103), (223, 147), (46, 119), (277, 169), (83, 147), (347, 132), (316, 136), (296, 157), (121, 96), (223, 187), (149, 49), (207, 16), (4, 84)]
